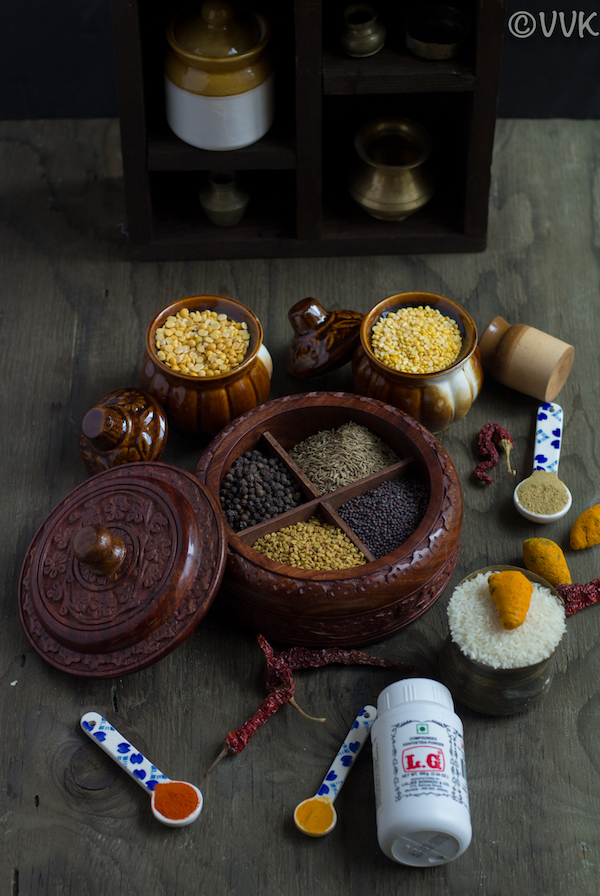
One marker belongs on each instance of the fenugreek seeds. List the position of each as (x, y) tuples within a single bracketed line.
[(311, 545), (416, 340), (202, 343)]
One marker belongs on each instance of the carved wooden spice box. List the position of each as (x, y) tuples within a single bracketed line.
[(343, 607)]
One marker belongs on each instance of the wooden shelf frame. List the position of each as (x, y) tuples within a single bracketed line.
[(299, 205)]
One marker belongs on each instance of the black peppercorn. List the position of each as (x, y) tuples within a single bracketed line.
[(257, 488)]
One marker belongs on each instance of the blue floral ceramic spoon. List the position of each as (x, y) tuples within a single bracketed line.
[(316, 816), (176, 798), (548, 442)]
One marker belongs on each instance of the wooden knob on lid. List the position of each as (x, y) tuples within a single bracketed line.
[(98, 549), (526, 359)]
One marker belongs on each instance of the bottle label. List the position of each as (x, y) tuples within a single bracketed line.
[(428, 759)]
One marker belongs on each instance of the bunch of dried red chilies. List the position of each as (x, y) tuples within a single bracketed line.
[(282, 687)]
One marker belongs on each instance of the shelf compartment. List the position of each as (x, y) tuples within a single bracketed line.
[(393, 71), (275, 151), (306, 218)]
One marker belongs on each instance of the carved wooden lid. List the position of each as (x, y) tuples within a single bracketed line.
[(122, 570)]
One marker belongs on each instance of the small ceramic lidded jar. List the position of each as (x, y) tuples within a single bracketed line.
[(219, 77), (205, 404), (437, 399)]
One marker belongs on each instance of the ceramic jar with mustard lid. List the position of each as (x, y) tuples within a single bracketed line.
[(219, 78)]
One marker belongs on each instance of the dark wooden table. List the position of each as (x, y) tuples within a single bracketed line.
[(74, 310)]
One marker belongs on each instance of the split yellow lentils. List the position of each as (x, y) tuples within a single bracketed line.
[(202, 343), (416, 340), (311, 545)]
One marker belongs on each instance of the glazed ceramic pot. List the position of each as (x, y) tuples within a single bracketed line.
[(344, 607), (124, 426), (219, 83), (205, 405), (437, 400)]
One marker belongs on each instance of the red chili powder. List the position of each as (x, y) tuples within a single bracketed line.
[(175, 799)]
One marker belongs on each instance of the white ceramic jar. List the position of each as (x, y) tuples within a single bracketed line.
[(219, 81)]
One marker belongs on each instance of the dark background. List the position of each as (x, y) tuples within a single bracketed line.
[(57, 62)]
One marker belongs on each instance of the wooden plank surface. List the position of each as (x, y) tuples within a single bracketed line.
[(74, 310)]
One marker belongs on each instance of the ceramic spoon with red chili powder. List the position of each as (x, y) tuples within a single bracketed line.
[(175, 803)]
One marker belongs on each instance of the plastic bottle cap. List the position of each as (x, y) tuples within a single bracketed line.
[(424, 848), (414, 690)]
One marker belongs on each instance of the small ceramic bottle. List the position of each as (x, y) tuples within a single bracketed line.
[(362, 34), (223, 200)]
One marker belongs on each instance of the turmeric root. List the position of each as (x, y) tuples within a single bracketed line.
[(585, 531), (511, 591), (544, 557)]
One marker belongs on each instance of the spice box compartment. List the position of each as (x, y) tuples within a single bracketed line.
[(359, 604), (326, 506)]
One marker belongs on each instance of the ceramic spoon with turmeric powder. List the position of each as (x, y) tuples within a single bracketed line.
[(174, 803), (316, 816), (543, 497)]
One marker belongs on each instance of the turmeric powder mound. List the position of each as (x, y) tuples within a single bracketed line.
[(315, 816), (545, 558), (585, 531), (511, 591)]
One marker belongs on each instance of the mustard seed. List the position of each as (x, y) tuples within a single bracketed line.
[(385, 517)]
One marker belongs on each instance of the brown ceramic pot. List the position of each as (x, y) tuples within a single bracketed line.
[(336, 607), (437, 400), (124, 426), (206, 405)]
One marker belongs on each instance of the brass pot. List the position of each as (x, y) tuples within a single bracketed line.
[(391, 179), (363, 34)]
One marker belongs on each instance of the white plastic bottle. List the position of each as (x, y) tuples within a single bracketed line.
[(421, 793)]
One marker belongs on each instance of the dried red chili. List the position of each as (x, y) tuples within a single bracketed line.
[(577, 597), (492, 435), (282, 687), (236, 740)]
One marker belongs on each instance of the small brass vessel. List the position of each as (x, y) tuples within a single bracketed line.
[(391, 179), (362, 34)]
